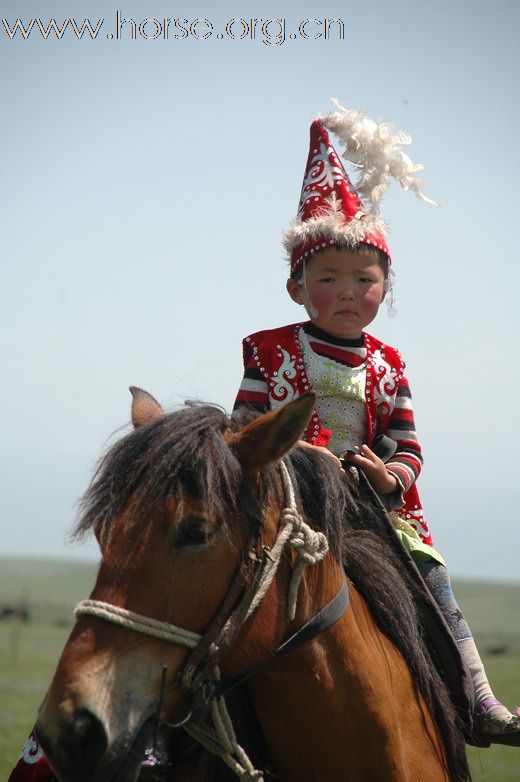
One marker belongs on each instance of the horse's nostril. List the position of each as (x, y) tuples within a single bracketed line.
[(88, 738)]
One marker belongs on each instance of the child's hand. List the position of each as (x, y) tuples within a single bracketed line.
[(375, 470), (324, 451)]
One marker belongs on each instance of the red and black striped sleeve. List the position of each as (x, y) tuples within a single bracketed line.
[(253, 391), (407, 461)]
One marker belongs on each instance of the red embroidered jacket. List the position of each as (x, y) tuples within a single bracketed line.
[(275, 373), (33, 765)]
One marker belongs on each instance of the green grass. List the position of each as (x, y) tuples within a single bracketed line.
[(499, 764), (493, 612), (29, 652)]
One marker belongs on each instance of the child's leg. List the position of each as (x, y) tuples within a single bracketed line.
[(495, 717)]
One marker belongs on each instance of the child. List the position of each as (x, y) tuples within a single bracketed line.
[(339, 262)]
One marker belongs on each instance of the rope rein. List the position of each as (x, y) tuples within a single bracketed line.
[(220, 739)]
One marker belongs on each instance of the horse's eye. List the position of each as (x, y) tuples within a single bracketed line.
[(191, 531)]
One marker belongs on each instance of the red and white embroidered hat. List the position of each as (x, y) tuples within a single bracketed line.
[(331, 210)]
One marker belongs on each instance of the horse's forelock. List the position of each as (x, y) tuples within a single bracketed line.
[(185, 453), (182, 453)]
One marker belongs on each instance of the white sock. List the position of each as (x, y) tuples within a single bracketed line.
[(471, 657)]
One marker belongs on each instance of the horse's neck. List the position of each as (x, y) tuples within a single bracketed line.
[(351, 676)]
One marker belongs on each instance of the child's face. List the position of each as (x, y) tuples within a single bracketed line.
[(342, 291)]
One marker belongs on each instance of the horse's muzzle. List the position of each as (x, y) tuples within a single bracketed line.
[(82, 755)]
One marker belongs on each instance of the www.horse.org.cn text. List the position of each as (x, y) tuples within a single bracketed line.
[(270, 32)]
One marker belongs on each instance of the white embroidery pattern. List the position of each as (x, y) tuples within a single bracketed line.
[(281, 390), (385, 386), (321, 173), (32, 752)]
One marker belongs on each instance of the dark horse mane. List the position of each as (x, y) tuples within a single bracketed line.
[(185, 451)]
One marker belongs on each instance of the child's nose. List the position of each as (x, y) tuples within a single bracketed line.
[(346, 292)]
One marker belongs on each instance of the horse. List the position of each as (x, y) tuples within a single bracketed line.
[(189, 510)]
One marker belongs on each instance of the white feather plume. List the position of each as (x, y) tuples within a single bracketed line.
[(376, 149)]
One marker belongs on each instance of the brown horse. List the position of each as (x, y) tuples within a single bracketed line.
[(184, 508)]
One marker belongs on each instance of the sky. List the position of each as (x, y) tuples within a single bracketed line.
[(144, 187)]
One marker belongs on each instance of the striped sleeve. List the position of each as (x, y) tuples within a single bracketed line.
[(253, 388), (407, 461)]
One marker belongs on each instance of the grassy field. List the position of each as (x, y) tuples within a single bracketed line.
[(29, 652)]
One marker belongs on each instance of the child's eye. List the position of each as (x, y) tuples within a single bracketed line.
[(327, 279), (365, 279)]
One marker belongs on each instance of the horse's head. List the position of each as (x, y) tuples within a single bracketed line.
[(181, 507)]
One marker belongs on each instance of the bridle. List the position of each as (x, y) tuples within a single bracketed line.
[(208, 720)]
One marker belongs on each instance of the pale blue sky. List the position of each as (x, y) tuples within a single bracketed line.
[(144, 189)]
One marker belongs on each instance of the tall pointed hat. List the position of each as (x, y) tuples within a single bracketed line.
[(331, 210)]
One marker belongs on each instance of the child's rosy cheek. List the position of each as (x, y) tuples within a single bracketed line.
[(321, 297), (373, 295)]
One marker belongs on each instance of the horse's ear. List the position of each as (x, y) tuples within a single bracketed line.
[(144, 407), (268, 438)]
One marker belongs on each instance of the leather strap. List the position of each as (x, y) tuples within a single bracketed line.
[(202, 654), (323, 620)]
